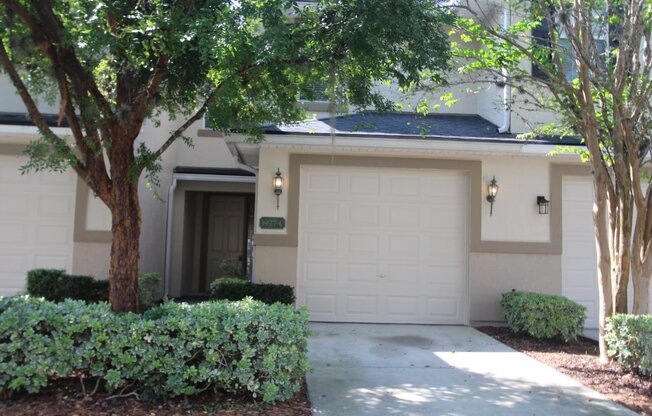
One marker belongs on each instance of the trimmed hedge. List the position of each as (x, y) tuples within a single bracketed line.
[(174, 349), (56, 285), (543, 316), (231, 288), (629, 340)]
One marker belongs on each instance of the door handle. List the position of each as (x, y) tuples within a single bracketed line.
[(382, 276)]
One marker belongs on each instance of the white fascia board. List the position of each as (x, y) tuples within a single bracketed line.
[(31, 131), (405, 145)]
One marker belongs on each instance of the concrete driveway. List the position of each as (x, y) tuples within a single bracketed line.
[(365, 369)]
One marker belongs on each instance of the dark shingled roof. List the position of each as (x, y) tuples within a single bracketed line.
[(213, 171), (22, 119), (413, 126)]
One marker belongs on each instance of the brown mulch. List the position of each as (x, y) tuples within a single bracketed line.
[(63, 398), (580, 360)]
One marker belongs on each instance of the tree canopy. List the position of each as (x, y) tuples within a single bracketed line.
[(589, 62), (114, 64)]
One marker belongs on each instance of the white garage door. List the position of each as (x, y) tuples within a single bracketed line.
[(579, 268), (36, 223), (383, 245), (579, 279)]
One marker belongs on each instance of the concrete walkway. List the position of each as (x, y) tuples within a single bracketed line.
[(364, 369)]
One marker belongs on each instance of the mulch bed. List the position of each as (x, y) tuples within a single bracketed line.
[(580, 360), (63, 398)]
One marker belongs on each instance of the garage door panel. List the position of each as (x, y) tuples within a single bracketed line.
[(362, 272), (323, 214), (36, 223), (13, 265), (321, 271), (51, 262), (321, 304), (368, 244), (361, 305), (15, 234), (404, 186), (363, 215), (401, 250), (404, 216), (14, 204), (403, 273), (322, 242), (403, 246), (322, 182), (443, 308), (360, 184)]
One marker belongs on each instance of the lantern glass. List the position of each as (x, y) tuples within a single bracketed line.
[(492, 189), (278, 182), (544, 205)]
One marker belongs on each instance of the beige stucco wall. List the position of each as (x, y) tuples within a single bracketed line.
[(491, 274), (518, 250), (91, 259)]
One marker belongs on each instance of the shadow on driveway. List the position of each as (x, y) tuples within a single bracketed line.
[(368, 369)]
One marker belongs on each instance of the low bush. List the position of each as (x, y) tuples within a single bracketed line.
[(543, 316), (172, 350), (629, 340), (149, 287), (56, 285), (231, 288)]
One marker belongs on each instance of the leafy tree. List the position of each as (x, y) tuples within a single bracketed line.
[(113, 64), (591, 64)]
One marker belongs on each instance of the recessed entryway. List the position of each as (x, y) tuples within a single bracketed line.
[(217, 238)]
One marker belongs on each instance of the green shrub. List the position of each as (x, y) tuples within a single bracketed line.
[(149, 287), (56, 285), (543, 316), (629, 340), (173, 350), (231, 288)]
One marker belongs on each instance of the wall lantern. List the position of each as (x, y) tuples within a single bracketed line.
[(544, 205), (492, 191), (278, 185)]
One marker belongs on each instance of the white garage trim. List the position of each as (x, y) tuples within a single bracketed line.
[(384, 245)]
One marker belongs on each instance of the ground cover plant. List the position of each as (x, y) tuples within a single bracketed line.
[(173, 350)]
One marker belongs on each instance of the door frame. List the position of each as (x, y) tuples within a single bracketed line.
[(170, 215)]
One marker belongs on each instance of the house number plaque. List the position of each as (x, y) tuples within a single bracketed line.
[(272, 223)]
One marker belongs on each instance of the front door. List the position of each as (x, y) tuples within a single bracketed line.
[(226, 233)]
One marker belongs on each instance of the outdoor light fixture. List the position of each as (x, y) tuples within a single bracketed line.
[(492, 191), (278, 185), (544, 205)]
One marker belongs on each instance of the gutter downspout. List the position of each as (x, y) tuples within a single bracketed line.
[(507, 89), (168, 239)]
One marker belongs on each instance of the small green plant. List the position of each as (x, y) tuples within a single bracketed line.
[(149, 286), (173, 350), (57, 285), (629, 340), (236, 289), (543, 316), (232, 268)]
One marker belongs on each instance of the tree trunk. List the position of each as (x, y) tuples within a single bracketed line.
[(125, 253), (641, 280), (601, 230), (125, 248)]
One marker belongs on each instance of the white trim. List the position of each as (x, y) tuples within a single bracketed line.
[(31, 130), (170, 212)]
